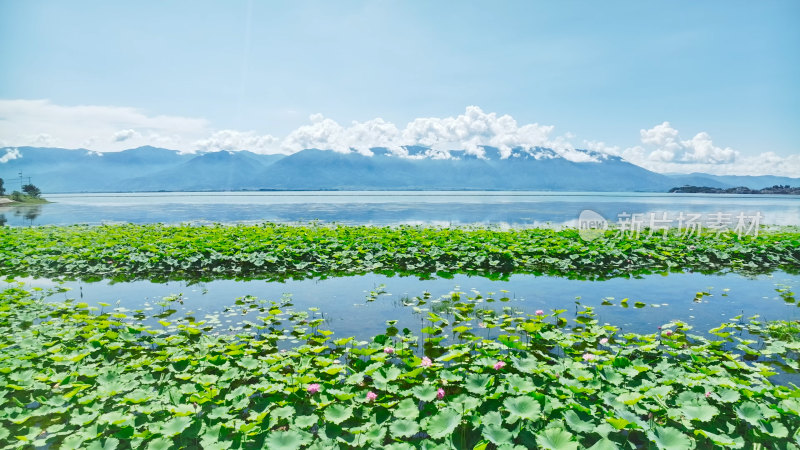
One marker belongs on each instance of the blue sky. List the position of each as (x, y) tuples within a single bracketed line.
[(601, 74)]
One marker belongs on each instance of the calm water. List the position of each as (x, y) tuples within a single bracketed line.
[(514, 209), (345, 302)]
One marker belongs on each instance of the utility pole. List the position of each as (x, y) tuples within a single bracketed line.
[(20, 181)]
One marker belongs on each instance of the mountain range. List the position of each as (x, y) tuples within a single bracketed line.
[(58, 170)]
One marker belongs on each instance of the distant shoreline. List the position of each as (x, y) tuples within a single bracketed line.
[(774, 190)]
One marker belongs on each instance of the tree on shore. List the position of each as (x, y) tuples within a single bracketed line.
[(2, 188), (31, 190)]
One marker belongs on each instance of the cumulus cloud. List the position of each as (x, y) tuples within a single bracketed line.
[(327, 134), (124, 135), (109, 128), (662, 150), (474, 129), (11, 153), (701, 149), (470, 132), (232, 140), (665, 145)]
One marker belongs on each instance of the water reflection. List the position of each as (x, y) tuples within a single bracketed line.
[(22, 215), (359, 306), (509, 209)]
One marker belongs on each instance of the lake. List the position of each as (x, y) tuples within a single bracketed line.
[(502, 209), (360, 305)]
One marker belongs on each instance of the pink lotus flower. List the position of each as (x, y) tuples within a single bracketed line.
[(426, 362), (708, 394), (668, 333), (481, 324), (440, 394), (539, 312), (604, 341), (388, 350), (499, 365), (589, 357), (313, 388), (371, 396)]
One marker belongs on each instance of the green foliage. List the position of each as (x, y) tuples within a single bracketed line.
[(271, 251), (74, 376), (31, 190)]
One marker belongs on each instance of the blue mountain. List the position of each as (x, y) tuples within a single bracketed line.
[(157, 169)]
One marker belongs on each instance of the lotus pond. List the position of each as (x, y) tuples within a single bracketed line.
[(259, 342)]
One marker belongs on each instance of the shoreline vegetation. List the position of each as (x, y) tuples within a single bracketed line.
[(276, 252), (774, 190), (25, 200)]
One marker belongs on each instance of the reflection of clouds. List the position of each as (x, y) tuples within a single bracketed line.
[(30, 282)]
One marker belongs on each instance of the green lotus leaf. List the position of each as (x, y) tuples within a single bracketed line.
[(398, 446), (703, 413), (579, 422), (520, 384), (283, 412), (604, 444), (285, 440), (175, 426), (749, 412), (630, 398), (443, 423), (497, 435), (556, 439), (671, 439), (728, 395), (338, 413), (105, 444), (406, 409), (159, 443), (306, 421), (425, 392), (774, 428), (522, 408), (476, 383), (404, 428), (722, 439)]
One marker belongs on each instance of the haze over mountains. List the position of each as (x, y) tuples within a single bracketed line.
[(57, 170)]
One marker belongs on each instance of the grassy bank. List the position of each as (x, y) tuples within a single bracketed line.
[(79, 376), (22, 199), (271, 251)]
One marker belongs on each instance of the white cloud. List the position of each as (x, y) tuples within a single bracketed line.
[(662, 136), (663, 151), (701, 149), (11, 153), (665, 147), (110, 128), (327, 134), (31, 122), (232, 140), (124, 135), (469, 131), (475, 128)]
